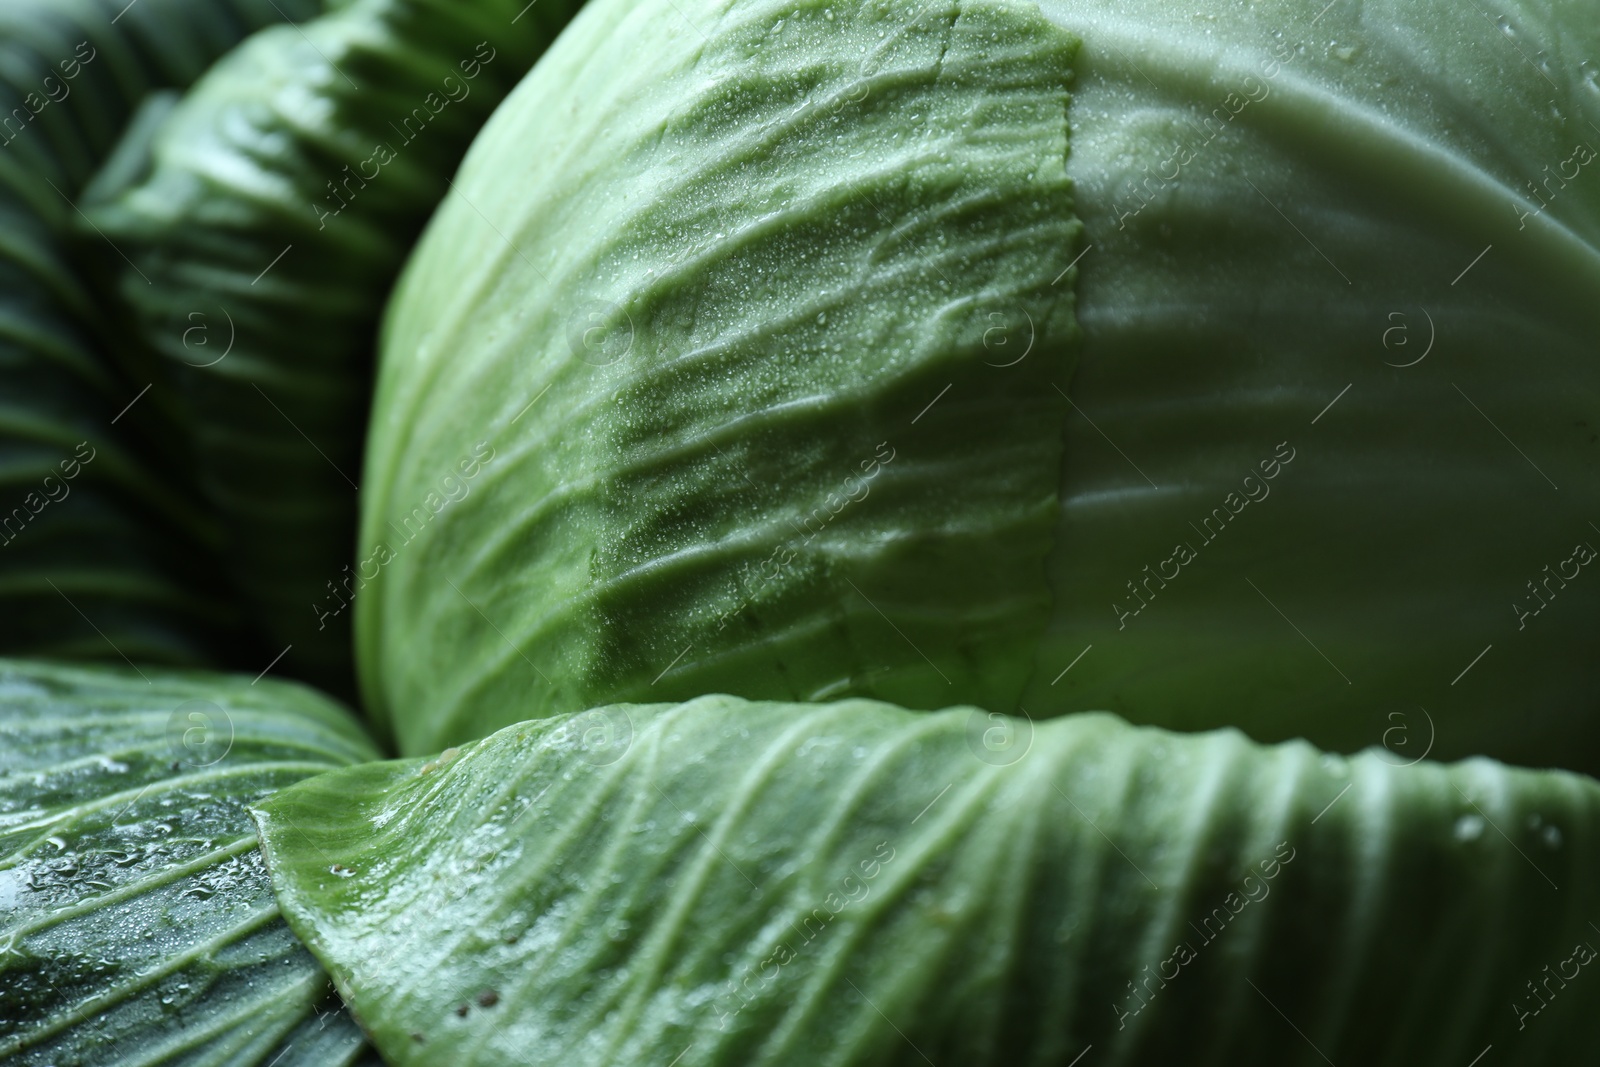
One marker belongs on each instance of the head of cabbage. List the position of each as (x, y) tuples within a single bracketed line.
[(1217, 367)]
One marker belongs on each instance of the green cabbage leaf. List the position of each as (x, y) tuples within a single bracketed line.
[(252, 230), (1216, 365), (137, 922), (1365, 236), (105, 550), (754, 884), (679, 394)]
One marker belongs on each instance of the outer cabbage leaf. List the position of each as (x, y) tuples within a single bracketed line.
[(137, 923), (1352, 247), (716, 348), (733, 883), (75, 70), (99, 556), (258, 226), (1390, 198)]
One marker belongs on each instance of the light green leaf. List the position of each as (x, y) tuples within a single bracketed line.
[(137, 922), (680, 394), (1353, 245), (258, 226), (734, 883)]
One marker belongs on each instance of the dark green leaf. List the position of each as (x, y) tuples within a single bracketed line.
[(100, 555), (264, 219), (1292, 208), (137, 923)]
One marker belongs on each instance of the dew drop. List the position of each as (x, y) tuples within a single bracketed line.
[(1469, 828), (1551, 837)]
